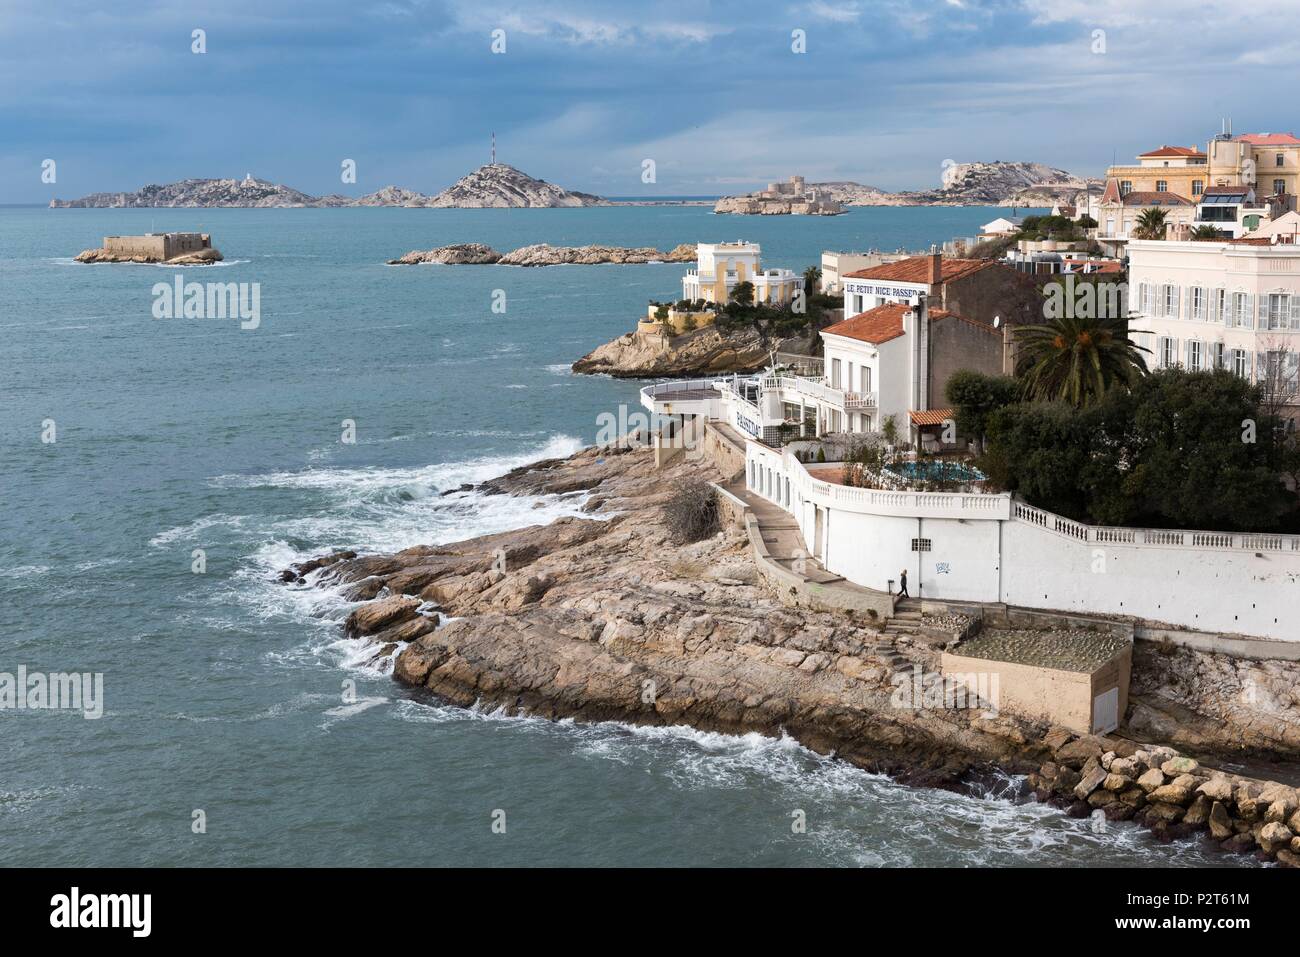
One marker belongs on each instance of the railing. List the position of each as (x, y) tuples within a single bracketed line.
[(680, 385), (1163, 537)]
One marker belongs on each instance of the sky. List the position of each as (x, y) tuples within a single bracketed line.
[(716, 94)]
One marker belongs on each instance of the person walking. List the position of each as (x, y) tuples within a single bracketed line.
[(902, 584)]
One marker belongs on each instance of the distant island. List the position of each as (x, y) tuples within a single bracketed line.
[(964, 184), (494, 186), (544, 254)]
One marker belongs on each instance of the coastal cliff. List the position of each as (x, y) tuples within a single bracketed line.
[(199, 257), (706, 351), (608, 616)]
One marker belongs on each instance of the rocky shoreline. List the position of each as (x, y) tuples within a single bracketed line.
[(544, 254), (604, 616)]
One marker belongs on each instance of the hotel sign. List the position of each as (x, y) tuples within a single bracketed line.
[(889, 292)]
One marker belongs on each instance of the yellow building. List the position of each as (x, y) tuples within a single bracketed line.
[(1268, 162)]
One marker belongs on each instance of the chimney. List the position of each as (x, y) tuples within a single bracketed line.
[(936, 265)]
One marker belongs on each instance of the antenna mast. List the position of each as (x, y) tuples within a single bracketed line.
[(494, 149)]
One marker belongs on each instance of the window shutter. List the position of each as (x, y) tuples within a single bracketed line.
[(1247, 319), (1292, 372), (1295, 312), (1178, 296), (1261, 366), (1187, 351)]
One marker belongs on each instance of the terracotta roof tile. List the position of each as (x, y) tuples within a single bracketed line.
[(930, 416), (1175, 151), (875, 325), (1156, 199), (917, 269), (1269, 139)]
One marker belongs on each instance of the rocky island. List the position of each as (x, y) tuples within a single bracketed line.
[(172, 249), (963, 184), (615, 614), (543, 254), (494, 185)]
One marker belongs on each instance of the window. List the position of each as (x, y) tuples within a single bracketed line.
[(1280, 160), (1279, 311), (1168, 352), (1242, 312), (1198, 304), (865, 372), (1218, 355), (1197, 187), (1240, 363), (1162, 186), (835, 373), (1195, 352), (1218, 303), (1169, 302), (920, 544), (1279, 187), (1147, 296), (1125, 187)]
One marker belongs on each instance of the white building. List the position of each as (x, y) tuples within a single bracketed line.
[(1232, 210), (1002, 226), (1232, 305), (720, 267)]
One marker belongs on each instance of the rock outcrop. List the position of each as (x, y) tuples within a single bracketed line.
[(459, 254), (200, 257), (495, 185), (706, 351), (606, 617), (542, 254)]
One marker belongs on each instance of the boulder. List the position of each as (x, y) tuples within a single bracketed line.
[(1273, 836), (1164, 811), (1151, 780), (1101, 798), (1117, 782), (1134, 797), (1199, 811), (1218, 788), (1090, 781), (376, 615), (1239, 844), (1077, 752), (1220, 823), (1128, 767), (1176, 766), (1288, 858), (1170, 794)]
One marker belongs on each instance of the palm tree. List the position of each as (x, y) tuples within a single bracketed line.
[(1205, 232), (1151, 223), (1076, 359), (811, 276)]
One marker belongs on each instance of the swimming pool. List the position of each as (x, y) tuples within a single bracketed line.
[(936, 471)]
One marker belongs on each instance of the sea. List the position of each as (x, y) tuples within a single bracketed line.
[(156, 474)]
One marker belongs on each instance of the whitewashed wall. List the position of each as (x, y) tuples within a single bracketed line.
[(987, 548)]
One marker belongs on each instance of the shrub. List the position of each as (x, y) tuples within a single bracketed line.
[(691, 514)]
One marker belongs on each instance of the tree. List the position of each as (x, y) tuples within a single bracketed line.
[(742, 293), (976, 396), (1151, 223), (1086, 222), (811, 277), (1205, 232), (1077, 359), (1171, 452)]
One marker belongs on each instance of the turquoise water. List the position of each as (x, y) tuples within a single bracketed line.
[(937, 471), (223, 689)]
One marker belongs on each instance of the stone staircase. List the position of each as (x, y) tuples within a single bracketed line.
[(905, 621)]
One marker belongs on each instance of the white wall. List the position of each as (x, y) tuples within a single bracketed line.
[(984, 549)]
